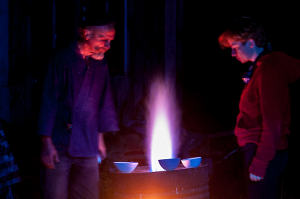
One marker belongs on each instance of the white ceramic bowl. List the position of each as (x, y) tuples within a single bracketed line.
[(126, 167), (169, 164), (191, 162)]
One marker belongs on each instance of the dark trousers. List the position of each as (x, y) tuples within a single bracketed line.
[(72, 178), (269, 187)]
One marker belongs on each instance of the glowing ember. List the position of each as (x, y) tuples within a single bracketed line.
[(161, 120)]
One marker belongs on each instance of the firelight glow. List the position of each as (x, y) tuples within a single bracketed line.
[(160, 126)]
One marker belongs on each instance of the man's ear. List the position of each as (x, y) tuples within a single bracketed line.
[(86, 34)]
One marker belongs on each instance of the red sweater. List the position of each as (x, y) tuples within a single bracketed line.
[(264, 117)]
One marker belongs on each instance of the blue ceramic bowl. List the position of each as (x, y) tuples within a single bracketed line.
[(191, 162), (126, 167), (169, 164)]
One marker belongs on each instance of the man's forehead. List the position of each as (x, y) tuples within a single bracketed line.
[(104, 28), (233, 41), (102, 32)]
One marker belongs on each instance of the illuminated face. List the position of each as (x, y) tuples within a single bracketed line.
[(97, 40), (242, 51)]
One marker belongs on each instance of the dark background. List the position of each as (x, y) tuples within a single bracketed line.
[(207, 78)]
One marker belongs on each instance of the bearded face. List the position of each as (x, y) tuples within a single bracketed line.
[(97, 41)]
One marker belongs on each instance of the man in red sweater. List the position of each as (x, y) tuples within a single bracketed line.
[(262, 125)]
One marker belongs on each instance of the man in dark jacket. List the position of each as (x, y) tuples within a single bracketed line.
[(77, 108)]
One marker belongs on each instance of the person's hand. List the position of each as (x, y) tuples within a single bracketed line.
[(49, 155), (255, 178), (101, 146)]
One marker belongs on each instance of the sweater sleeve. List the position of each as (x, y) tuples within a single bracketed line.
[(273, 96)]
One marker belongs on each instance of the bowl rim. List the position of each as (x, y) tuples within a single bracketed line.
[(169, 159), (193, 158), (126, 162)]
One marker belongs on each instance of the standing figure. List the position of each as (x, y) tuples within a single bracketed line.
[(77, 108), (263, 122)]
